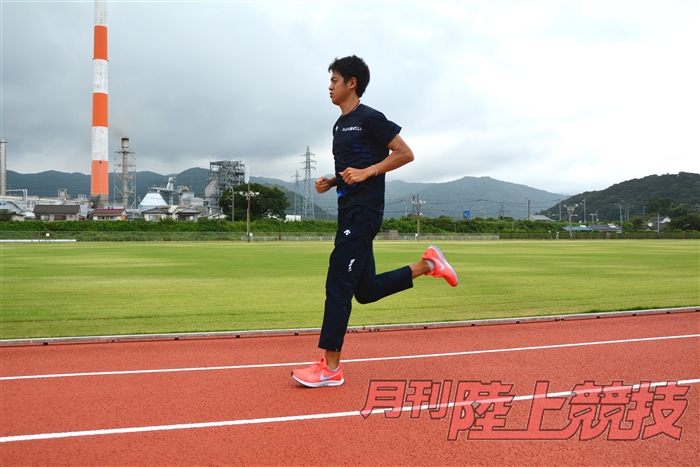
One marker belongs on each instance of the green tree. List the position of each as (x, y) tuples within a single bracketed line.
[(638, 222), (690, 221), (269, 202), (5, 215), (681, 210), (662, 206)]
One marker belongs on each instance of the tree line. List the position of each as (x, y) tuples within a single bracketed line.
[(267, 213)]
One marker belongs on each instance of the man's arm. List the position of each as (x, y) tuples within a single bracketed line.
[(399, 156)]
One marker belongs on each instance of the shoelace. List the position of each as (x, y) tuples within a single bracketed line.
[(319, 366)]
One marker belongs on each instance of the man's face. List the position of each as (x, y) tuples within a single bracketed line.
[(339, 89)]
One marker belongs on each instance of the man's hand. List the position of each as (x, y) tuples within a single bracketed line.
[(351, 175), (400, 155), (324, 184)]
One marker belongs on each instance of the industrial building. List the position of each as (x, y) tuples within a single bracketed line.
[(161, 202)]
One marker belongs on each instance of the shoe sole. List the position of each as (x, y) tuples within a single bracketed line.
[(441, 255), (320, 383)]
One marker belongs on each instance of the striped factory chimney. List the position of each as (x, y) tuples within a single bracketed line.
[(99, 184)]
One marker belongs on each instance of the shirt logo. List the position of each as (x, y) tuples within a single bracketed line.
[(352, 128), (350, 265)]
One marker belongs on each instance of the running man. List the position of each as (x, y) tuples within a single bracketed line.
[(365, 147)]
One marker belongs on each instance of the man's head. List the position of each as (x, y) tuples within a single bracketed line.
[(352, 67)]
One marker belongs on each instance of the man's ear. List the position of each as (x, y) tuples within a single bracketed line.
[(352, 83)]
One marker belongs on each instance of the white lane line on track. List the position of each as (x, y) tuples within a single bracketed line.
[(257, 421), (355, 360)]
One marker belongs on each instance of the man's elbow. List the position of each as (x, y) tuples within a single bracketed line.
[(399, 148)]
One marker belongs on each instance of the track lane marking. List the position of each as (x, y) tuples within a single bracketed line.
[(355, 360), (257, 421)]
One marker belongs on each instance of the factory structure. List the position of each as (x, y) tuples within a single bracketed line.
[(166, 201)]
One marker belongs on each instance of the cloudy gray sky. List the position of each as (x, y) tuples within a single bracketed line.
[(561, 96)]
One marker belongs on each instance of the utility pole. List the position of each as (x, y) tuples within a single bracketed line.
[(584, 210), (417, 203), (620, 206), (249, 194), (570, 210), (559, 210), (528, 208)]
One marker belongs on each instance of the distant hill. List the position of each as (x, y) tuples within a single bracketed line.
[(481, 196), (48, 183), (682, 188)]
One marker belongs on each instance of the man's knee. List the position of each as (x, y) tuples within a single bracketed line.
[(364, 298)]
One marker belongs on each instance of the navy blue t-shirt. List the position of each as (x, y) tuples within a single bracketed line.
[(360, 139)]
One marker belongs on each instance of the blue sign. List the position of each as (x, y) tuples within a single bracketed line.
[(467, 214)]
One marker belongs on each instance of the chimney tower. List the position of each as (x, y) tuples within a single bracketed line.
[(3, 167), (99, 182)]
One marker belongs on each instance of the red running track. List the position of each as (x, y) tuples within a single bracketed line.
[(227, 405)]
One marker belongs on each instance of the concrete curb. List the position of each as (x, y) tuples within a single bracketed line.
[(351, 329)]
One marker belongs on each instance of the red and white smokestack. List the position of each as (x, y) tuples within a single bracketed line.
[(99, 184), (3, 167)]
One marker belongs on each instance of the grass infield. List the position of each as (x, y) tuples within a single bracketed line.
[(80, 289)]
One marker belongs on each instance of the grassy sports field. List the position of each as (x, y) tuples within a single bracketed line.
[(51, 290)]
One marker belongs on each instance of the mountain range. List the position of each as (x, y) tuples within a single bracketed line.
[(631, 198), (472, 196)]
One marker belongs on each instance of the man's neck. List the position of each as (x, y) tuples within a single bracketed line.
[(349, 105)]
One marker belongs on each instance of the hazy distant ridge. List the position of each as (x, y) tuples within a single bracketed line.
[(478, 195)]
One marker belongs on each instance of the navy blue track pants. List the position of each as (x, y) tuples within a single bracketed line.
[(352, 272)]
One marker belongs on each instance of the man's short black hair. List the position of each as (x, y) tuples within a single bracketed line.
[(352, 67)]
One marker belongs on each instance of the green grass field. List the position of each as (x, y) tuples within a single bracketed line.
[(78, 289)]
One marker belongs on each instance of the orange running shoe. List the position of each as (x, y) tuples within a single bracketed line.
[(318, 374), (442, 267)]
